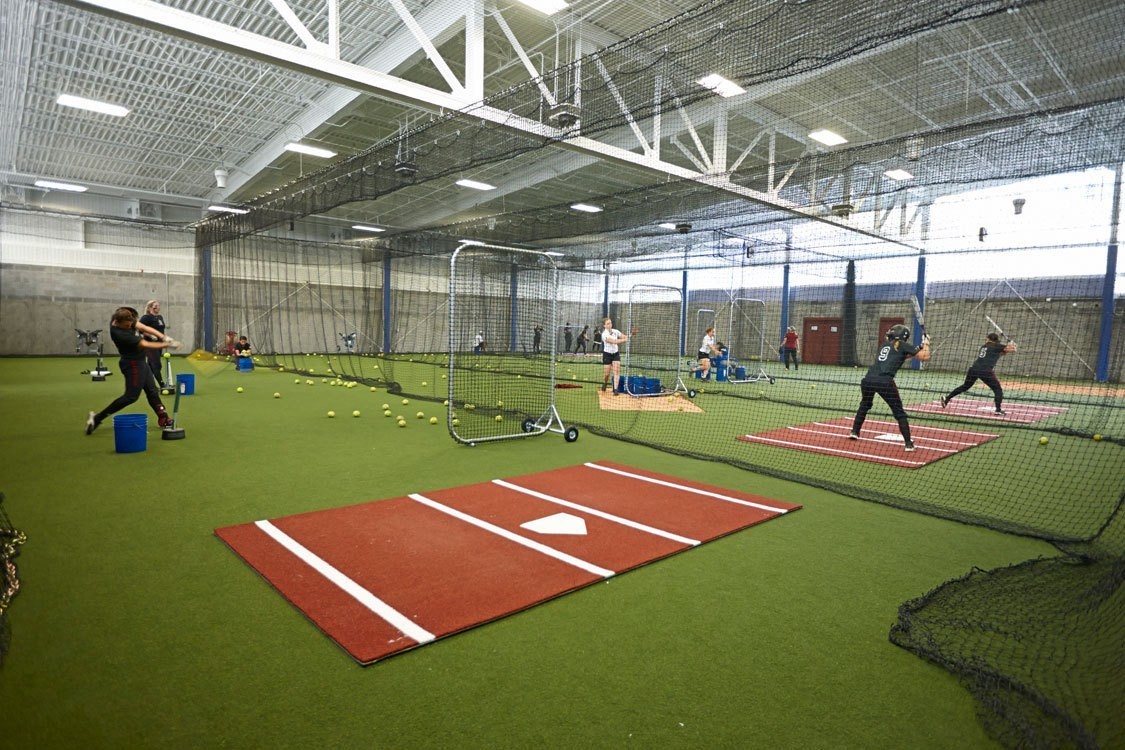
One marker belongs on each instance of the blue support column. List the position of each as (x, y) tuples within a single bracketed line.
[(208, 300), (387, 302), (784, 308), (1105, 334), (920, 293), (605, 298), (513, 290)]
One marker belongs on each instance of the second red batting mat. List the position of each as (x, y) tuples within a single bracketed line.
[(383, 577)]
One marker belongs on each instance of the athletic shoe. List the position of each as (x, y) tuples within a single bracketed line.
[(853, 435), (603, 387), (909, 447), (91, 423), (944, 401), (1001, 412)]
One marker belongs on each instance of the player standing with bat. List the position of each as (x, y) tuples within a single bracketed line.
[(880, 379), (981, 369), (612, 339)]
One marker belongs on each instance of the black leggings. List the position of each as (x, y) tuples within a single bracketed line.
[(889, 391), (790, 354), (138, 377), (988, 378)]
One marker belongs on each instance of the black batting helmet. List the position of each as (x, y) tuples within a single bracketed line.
[(898, 333)]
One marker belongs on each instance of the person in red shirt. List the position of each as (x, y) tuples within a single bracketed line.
[(789, 347)]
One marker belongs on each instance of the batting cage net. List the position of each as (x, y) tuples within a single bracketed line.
[(1017, 416)]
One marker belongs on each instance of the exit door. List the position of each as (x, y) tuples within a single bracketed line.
[(820, 344)]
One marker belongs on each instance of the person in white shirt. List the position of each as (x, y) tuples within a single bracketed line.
[(611, 353), (478, 343), (707, 349)]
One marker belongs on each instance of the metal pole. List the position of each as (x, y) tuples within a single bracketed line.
[(1106, 329)]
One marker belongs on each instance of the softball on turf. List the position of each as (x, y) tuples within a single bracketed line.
[(456, 422), (402, 423), (445, 403), (499, 418), (499, 403), (281, 369), (331, 414), (386, 412), (424, 383), (276, 394), (420, 415), (355, 413), (297, 381), (238, 389), (1042, 441), (1097, 437), (433, 420), (372, 389), (406, 402), (386, 406), (309, 382)]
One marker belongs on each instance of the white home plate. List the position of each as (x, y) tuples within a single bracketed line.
[(889, 437), (559, 523)]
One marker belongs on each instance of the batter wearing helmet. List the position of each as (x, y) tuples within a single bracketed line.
[(981, 369), (880, 378)]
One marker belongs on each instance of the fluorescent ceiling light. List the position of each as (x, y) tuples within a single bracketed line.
[(553, 254), (548, 7), (68, 187), (667, 225), (301, 148), (91, 105), (366, 228), (827, 137), (898, 174), (476, 185), (471, 242), (228, 209), (721, 86), (586, 207)]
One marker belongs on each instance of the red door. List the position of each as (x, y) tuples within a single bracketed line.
[(820, 343)]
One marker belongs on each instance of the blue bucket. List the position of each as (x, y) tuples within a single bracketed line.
[(245, 364), (721, 373), (652, 385), (740, 373), (130, 432), (185, 384)]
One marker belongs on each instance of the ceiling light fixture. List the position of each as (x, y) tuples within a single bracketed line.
[(586, 207), (301, 148), (548, 7), (367, 228), (827, 137), (553, 254), (67, 186), (898, 174), (475, 185), (721, 86), (667, 225), (228, 209), (91, 105)]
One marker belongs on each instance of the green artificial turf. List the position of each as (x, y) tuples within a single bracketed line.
[(137, 627)]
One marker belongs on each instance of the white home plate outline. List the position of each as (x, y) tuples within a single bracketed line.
[(559, 523)]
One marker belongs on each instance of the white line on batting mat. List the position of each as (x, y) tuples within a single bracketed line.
[(935, 429), (530, 544), (599, 513), (685, 488), (896, 437), (815, 448), (353, 589)]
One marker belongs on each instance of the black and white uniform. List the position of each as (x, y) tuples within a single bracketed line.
[(138, 376), (154, 355), (981, 369), (880, 379), (611, 352)]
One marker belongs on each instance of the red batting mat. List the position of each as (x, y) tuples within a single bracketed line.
[(384, 577), (977, 409), (880, 441)]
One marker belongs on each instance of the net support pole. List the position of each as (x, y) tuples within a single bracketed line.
[(920, 293), (1106, 329), (386, 302), (514, 313), (683, 313), (605, 293), (208, 299), (784, 307)]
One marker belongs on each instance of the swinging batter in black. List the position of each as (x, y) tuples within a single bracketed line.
[(981, 369), (880, 378)]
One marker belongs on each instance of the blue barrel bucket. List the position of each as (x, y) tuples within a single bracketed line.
[(185, 384), (740, 373), (245, 364), (130, 432), (721, 373), (652, 385)]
